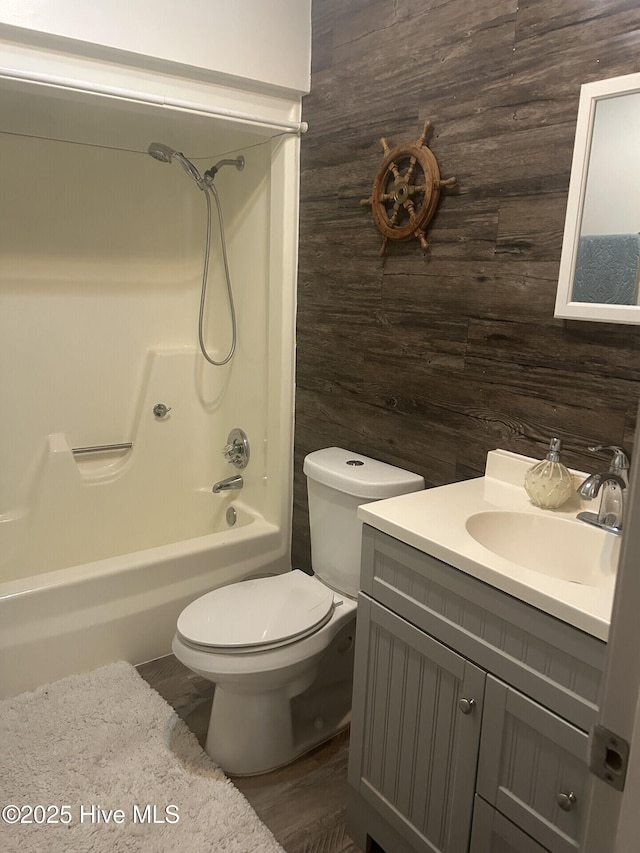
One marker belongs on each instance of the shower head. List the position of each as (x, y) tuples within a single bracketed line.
[(165, 154), (161, 152)]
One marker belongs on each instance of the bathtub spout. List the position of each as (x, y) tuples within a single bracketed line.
[(234, 482)]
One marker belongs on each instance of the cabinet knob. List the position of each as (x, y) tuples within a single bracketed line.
[(566, 801), (466, 705)]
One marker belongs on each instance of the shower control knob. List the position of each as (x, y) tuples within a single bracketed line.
[(160, 410), (236, 450)]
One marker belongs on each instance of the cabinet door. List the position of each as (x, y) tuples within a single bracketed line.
[(533, 767), (414, 741), (493, 833)]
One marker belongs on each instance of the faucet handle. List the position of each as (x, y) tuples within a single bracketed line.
[(620, 461), (236, 450), (230, 451)]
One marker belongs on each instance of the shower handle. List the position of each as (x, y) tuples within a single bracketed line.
[(236, 450)]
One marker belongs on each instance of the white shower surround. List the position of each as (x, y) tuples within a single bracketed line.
[(124, 605)]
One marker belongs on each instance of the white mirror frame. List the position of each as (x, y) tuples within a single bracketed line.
[(590, 94)]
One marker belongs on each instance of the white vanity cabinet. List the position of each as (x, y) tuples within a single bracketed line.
[(470, 715)]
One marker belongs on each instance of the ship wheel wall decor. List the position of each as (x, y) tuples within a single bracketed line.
[(406, 191)]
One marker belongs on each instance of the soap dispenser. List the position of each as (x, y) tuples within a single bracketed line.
[(548, 483)]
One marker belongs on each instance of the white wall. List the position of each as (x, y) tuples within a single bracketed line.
[(264, 41), (102, 255)]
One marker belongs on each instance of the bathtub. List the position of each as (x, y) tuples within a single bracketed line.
[(100, 551), (125, 607)]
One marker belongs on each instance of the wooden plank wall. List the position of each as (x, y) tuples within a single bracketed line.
[(429, 360)]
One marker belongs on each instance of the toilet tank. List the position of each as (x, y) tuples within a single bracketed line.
[(338, 482)]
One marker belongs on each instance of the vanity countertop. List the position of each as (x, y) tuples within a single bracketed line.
[(434, 521)]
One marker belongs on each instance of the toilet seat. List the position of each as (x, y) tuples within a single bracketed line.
[(257, 615)]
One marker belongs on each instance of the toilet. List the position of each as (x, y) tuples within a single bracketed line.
[(280, 649)]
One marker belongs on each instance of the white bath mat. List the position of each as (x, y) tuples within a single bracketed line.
[(100, 763)]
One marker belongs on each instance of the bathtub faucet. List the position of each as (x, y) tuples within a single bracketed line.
[(234, 482)]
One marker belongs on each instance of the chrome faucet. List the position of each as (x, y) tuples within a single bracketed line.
[(612, 483), (236, 450), (234, 482)]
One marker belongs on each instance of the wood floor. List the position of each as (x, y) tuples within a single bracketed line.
[(303, 804)]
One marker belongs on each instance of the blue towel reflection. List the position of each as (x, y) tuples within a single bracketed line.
[(607, 269)]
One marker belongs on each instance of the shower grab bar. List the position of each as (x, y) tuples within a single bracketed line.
[(102, 448)]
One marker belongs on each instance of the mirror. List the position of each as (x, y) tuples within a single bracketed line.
[(600, 261)]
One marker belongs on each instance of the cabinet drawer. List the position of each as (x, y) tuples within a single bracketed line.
[(532, 767), (556, 664), (493, 833)]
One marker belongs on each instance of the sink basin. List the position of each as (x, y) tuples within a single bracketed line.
[(562, 548), (487, 528)]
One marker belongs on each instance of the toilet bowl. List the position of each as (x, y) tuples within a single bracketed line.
[(253, 724), (280, 649)]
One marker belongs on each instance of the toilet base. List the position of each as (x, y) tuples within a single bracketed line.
[(255, 732), (248, 731)]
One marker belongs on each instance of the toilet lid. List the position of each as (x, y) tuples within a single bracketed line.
[(257, 613)]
